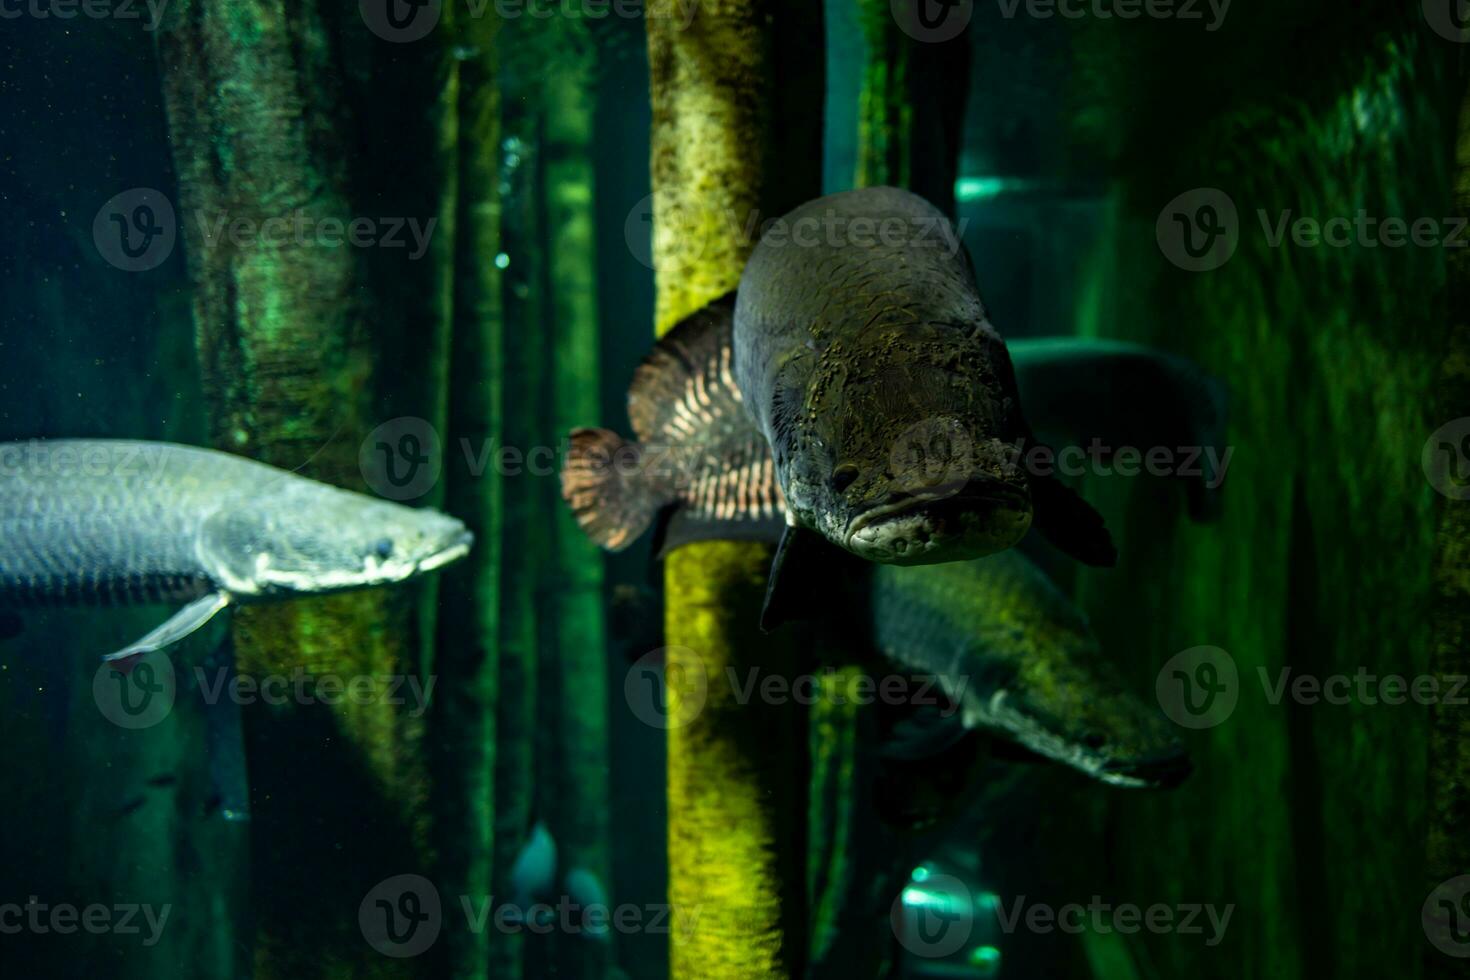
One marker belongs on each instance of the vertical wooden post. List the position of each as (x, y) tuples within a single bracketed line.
[(736, 772), (468, 639), (1448, 816), (575, 585), (289, 360)]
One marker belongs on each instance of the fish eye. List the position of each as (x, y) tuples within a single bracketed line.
[(1093, 740), (383, 549), (843, 477)]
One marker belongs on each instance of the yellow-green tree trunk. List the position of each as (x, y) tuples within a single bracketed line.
[(736, 772)]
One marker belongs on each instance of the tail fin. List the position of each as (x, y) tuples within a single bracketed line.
[(609, 489)]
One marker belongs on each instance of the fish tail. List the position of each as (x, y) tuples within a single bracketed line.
[(606, 481)]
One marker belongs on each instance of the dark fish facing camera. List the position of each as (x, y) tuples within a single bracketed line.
[(852, 388)]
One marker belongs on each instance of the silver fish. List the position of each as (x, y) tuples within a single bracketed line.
[(114, 521)]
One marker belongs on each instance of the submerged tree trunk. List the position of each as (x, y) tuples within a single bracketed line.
[(911, 100), (468, 641), (736, 772), (288, 358), (1449, 733), (575, 580), (522, 629)]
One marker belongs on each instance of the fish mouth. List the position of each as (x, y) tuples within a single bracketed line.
[(1163, 770), (945, 522), (451, 553)]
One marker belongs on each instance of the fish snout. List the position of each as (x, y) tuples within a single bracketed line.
[(944, 522), (1162, 770)]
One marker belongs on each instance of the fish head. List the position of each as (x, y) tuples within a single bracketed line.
[(1094, 726), (309, 538), (905, 449)]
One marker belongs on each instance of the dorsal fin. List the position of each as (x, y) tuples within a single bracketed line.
[(690, 417), (685, 385)]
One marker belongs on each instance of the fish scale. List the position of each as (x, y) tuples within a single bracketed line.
[(96, 522), (100, 531)]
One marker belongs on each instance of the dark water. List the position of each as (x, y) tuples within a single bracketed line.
[(409, 265)]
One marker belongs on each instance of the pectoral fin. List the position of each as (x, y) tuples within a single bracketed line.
[(804, 566), (1070, 523), (176, 627)]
